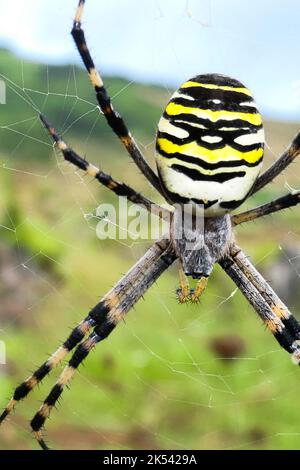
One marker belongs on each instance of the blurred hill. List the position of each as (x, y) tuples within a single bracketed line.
[(65, 95)]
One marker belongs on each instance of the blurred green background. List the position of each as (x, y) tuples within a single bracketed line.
[(171, 376)]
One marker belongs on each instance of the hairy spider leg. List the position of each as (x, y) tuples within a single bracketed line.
[(284, 202), (279, 166), (275, 316), (120, 189)]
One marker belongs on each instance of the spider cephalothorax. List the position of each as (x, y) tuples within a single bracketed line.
[(199, 242), (210, 148)]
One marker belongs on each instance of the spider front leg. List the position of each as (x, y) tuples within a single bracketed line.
[(106, 319), (284, 202), (283, 161), (120, 189), (114, 120)]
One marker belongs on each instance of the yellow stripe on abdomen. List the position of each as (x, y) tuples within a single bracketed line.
[(212, 156), (174, 109), (211, 86)]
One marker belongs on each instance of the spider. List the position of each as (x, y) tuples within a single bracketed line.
[(209, 153)]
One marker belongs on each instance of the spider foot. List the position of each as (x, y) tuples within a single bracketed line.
[(193, 298), (9, 408), (41, 441)]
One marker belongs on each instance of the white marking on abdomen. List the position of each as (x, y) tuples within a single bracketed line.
[(248, 139), (193, 124), (211, 139), (181, 95), (234, 128), (249, 103), (165, 126)]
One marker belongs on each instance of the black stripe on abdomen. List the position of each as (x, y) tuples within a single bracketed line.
[(196, 175), (188, 117), (208, 104), (196, 137)]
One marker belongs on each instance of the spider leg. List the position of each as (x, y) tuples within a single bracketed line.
[(284, 202), (108, 304), (265, 302), (120, 189), (281, 163), (106, 320), (261, 284), (113, 118)]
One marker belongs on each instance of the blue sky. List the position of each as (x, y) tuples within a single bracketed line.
[(168, 41)]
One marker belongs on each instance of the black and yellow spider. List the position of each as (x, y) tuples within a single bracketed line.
[(209, 153)]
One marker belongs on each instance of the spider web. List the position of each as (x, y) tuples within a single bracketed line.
[(206, 376)]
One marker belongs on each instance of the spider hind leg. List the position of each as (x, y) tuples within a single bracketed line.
[(275, 315), (199, 247)]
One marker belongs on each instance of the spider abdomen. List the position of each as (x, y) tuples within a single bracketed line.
[(210, 144)]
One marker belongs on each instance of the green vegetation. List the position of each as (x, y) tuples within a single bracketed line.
[(160, 380)]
